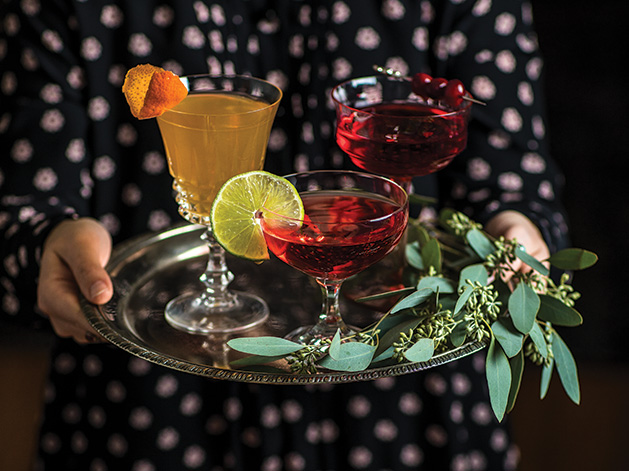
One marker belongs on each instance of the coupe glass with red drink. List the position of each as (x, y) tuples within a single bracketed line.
[(387, 129), (400, 128), (352, 220)]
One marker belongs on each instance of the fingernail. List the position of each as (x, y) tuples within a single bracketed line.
[(97, 289), (91, 338)]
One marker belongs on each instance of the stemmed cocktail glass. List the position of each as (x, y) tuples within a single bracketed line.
[(351, 221), (219, 130), (386, 128)]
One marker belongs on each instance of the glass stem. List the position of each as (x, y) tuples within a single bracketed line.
[(398, 254), (330, 318), (217, 276)]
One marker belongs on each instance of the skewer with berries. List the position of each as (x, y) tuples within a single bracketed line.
[(449, 92)]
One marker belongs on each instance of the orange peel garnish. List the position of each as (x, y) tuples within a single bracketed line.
[(151, 90)]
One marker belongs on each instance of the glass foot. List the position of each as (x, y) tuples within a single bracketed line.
[(314, 334), (195, 313), (382, 277)]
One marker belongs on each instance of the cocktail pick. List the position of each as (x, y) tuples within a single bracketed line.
[(425, 85)]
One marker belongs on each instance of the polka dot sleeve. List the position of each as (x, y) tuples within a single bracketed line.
[(43, 171), (492, 47)]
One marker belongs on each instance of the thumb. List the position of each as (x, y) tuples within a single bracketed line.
[(85, 246)]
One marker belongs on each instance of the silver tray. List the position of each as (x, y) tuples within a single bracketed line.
[(149, 270)]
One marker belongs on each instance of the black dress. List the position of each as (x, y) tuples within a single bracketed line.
[(71, 149)]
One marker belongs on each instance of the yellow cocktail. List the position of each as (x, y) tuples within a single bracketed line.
[(210, 137), (221, 129)]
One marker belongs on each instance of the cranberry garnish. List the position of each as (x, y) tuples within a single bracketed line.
[(450, 92), (453, 93), (420, 85), (437, 88)]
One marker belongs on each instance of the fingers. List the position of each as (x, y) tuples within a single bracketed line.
[(73, 261), (58, 300), (514, 225), (79, 332), (86, 253)]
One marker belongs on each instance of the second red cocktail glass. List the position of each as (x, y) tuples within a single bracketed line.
[(352, 220)]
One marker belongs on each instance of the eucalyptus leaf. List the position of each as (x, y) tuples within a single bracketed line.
[(547, 374), (498, 374), (473, 273), (335, 345), (504, 291), (555, 311), (393, 333), (422, 350), (480, 243), (517, 370), (537, 336), (414, 256), (386, 355), (352, 356), (531, 261), (448, 302), (573, 259), (421, 200), (267, 346), (460, 303), (417, 234), (508, 336), (458, 334), (524, 303), (437, 284), (567, 369), (461, 261), (412, 300), (385, 294), (388, 323), (431, 255)]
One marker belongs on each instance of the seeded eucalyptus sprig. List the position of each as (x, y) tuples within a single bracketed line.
[(460, 287)]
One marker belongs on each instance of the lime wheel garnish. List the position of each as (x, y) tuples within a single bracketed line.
[(242, 201)]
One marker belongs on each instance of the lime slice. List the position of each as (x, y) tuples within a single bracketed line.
[(240, 200)]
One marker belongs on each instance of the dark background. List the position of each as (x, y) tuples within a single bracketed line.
[(586, 48), (585, 45)]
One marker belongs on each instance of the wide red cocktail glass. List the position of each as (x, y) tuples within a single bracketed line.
[(352, 220), (387, 129)]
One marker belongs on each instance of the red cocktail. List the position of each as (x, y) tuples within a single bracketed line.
[(339, 238), (352, 220), (387, 129), (423, 140)]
